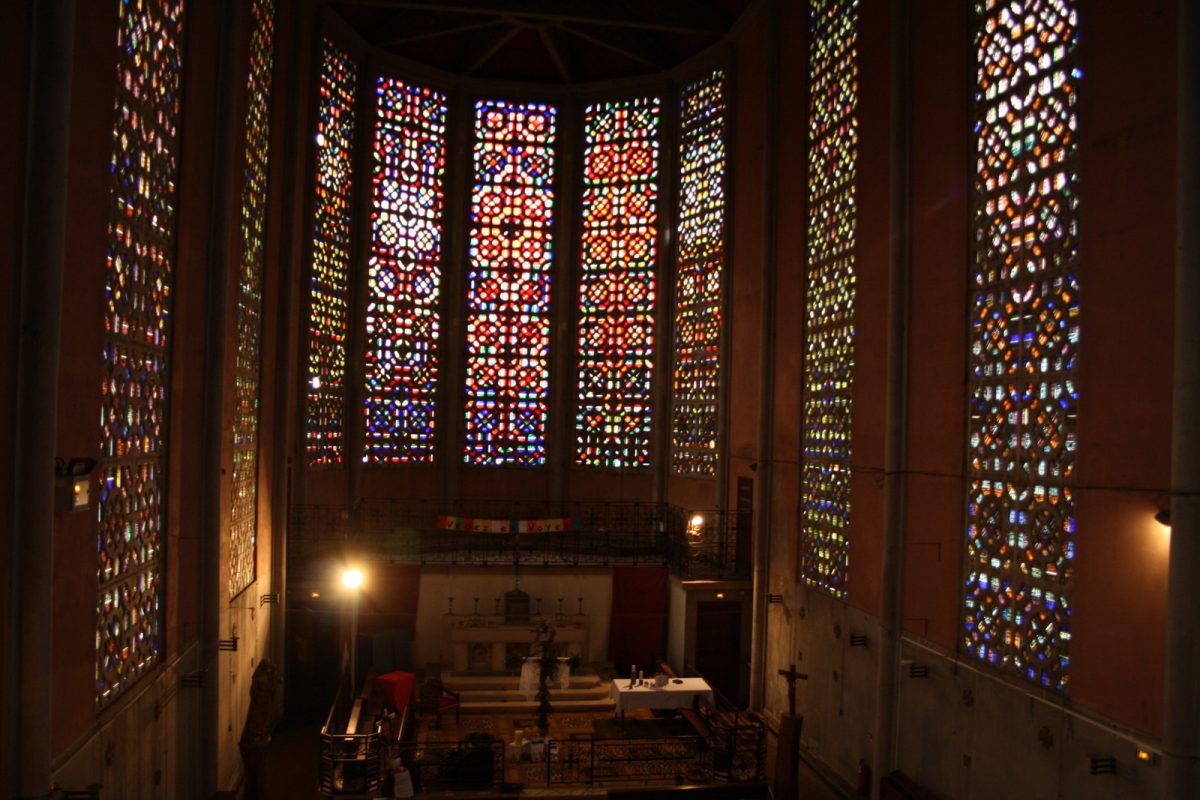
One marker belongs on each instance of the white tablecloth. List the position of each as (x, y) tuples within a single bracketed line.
[(530, 672), (646, 695)]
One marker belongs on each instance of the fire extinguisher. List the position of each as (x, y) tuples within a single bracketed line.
[(864, 779)]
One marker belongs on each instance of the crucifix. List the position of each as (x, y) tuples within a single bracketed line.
[(792, 676), (787, 761)]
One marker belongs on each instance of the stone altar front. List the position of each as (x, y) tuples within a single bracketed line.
[(481, 643)]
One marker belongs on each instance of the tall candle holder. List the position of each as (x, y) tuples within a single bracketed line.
[(476, 611), (497, 613), (451, 599), (538, 608), (580, 611)]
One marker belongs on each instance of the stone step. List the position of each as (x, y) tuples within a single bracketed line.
[(491, 683), (515, 696), (524, 706)]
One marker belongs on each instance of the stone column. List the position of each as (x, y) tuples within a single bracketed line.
[(27, 699), (891, 618), (1181, 740)]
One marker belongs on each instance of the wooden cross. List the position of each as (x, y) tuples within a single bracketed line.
[(792, 676)]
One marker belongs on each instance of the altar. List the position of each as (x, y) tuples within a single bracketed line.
[(484, 643)]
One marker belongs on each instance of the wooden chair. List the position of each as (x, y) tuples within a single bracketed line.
[(434, 698)]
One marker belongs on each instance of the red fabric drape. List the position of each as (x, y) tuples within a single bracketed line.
[(639, 615)]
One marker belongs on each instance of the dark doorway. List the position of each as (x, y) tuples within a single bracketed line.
[(719, 646)]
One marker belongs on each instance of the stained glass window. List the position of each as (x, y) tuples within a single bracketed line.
[(138, 283), (508, 292), (698, 279), (829, 291), (616, 293), (244, 517), (1024, 338), (330, 264), (404, 274)]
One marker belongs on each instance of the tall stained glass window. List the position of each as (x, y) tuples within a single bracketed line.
[(244, 519), (698, 280), (139, 279), (508, 293), (616, 295), (330, 265), (829, 291), (404, 273), (1024, 338)]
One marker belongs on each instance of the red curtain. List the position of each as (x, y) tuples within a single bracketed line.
[(639, 615)]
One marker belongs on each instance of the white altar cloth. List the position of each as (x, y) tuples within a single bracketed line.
[(647, 695)]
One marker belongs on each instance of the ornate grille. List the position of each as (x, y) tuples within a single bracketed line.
[(139, 278), (1024, 339), (829, 292), (404, 273), (698, 281), (244, 517), (330, 262), (616, 293), (508, 295)]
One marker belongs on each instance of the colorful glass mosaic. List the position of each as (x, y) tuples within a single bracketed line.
[(696, 380), (508, 291), (243, 525), (616, 292), (138, 284), (404, 273), (1024, 339), (329, 268), (829, 292)]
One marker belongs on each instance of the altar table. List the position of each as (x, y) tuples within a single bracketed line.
[(675, 694)]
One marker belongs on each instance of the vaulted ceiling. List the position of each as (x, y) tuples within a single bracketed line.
[(543, 41)]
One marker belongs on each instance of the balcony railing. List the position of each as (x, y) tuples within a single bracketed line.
[(692, 545)]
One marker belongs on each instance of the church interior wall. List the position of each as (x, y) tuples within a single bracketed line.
[(1127, 247), (745, 211), (938, 325), (964, 729)]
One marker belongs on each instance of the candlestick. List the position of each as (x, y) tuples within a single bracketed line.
[(476, 606), (580, 599), (560, 606), (539, 605), (497, 606), (451, 599)]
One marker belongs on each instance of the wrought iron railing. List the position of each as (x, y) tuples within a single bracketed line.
[(597, 534), (667, 760), (476, 763)]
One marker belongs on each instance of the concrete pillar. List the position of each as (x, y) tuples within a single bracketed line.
[(891, 618), (560, 427), (222, 246), (27, 701), (766, 388), (660, 386), (1181, 740), (456, 230)]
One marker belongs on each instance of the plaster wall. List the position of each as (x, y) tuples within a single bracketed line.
[(431, 643)]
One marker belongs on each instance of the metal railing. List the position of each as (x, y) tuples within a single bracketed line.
[(351, 762), (738, 738), (600, 534), (474, 763), (667, 760)]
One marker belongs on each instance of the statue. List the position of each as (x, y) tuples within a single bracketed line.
[(260, 720)]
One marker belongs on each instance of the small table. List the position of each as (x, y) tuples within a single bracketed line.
[(678, 693)]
